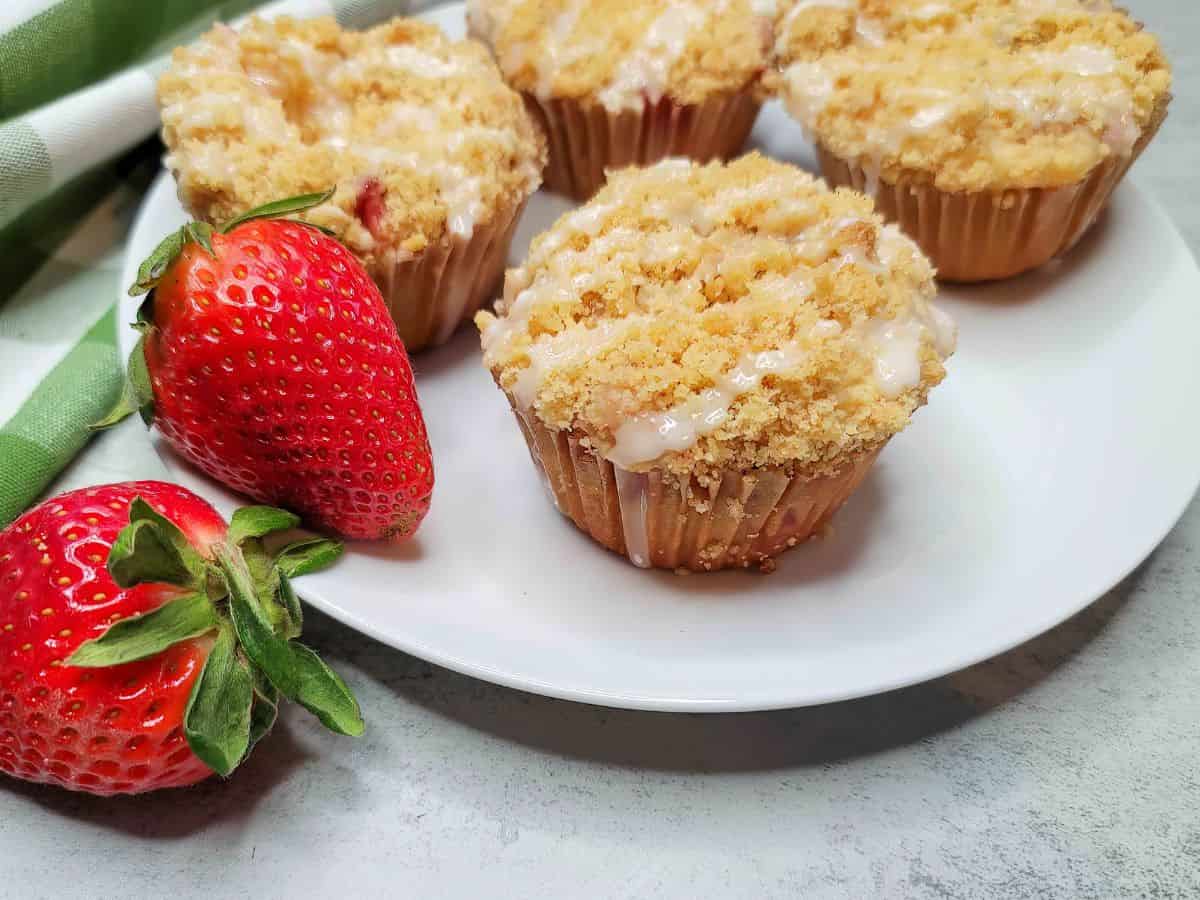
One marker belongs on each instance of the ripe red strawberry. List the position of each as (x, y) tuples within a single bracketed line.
[(274, 367), (143, 644)]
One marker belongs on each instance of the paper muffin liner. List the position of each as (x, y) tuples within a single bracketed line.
[(430, 294), (744, 518), (990, 235), (586, 139)]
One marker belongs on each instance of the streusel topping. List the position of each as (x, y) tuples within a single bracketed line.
[(695, 317), (419, 135), (621, 53), (970, 94)]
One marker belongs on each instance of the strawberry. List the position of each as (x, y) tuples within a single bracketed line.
[(269, 360), (370, 205), (144, 645)]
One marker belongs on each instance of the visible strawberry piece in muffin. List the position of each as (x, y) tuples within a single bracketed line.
[(370, 205)]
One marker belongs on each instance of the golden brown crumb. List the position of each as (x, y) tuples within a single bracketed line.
[(971, 95), (619, 53), (421, 127), (722, 316)]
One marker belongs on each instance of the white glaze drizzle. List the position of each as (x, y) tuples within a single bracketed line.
[(648, 437), (558, 52), (460, 187), (421, 63), (1079, 59), (646, 72), (633, 496), (896, 347), (794, 12), (809, 85), (565, 348)]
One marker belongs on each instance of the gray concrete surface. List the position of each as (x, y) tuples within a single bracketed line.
[(1066, 768)]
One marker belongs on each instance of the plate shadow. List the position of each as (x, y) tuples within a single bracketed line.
[(731, 742), (180, 812)]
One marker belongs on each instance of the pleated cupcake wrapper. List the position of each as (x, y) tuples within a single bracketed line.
[(989, 235), (441, 287), (742, 519), (587, 139)]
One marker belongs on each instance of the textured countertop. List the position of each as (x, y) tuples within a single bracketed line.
[(1066, 768)]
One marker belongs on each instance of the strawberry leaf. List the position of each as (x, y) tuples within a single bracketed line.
[(136, 393), (139, 382), (141, 511), (259, 521), (142, 554), (328, 232), (291, 604), (296, 671), (308, 555), (324, 694), (155, 266), (143, 321), (278, 208), (270, 573), (217, 721), (125, 407), (151, 548), (265, 710), (265, 577), (201, 233), (140, 637), (152, 269)]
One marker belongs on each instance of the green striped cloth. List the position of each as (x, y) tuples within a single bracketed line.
[(77, 115)]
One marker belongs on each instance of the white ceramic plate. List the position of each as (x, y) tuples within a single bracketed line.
[(1058, 453)]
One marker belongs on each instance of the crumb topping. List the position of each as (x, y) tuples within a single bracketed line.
[(970, 94), (418, 134), (621, 53), (703, 317)]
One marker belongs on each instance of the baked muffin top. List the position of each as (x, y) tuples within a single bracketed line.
[(418, 134), (970, 94), (621, 52), (702, 317)]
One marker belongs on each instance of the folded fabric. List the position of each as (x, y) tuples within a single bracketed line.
[(44, 148), (46, 433), (50, 48)]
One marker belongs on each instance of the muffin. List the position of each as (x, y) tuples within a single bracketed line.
[(705, 360), (993, 131), (617, 83), (430, 155)]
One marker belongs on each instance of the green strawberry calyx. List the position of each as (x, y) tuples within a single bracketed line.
[(137, 394), (241, 596)]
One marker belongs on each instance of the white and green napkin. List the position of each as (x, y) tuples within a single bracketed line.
[(77, 82)]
